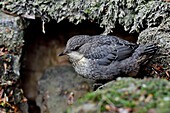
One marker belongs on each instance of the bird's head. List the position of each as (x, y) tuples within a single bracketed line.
[(73, 45)]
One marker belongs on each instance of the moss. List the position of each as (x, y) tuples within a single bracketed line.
[(133, 15), (138, 95)]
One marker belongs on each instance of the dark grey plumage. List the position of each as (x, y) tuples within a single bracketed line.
[(105, 57)]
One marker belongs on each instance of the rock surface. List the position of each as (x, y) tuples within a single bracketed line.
[(60, 87), (11, 42), (132, 15), (161, 36)]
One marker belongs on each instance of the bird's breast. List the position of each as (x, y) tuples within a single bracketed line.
[(82, 66), (84, 62)]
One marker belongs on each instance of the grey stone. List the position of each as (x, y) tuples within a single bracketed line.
[(55, 87)]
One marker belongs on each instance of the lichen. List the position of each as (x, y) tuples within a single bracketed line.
[(161, 37), (134, 15), (11, 32), (11, 41)]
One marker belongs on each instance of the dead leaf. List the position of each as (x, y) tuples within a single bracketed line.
[(168, 72), (167, 0), (1, 93), (124, 110), (110, 108), (148, 98), (24, 99), (70, 99)]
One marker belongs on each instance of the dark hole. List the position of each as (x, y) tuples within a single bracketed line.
[(40, 50)]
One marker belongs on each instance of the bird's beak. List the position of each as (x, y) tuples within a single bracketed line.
[(61, 54)]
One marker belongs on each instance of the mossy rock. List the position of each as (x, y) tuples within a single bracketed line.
[(161, 37), (129, 95), (133, 15)]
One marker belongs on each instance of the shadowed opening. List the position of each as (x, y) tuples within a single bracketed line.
[(40, 50)]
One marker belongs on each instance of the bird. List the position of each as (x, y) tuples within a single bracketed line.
[(105, 57)]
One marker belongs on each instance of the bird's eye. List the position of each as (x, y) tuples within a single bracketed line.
[(75, 49)]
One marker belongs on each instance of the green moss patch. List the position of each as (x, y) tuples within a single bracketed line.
[(130, 95)]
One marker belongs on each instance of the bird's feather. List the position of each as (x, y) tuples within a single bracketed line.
[(106, 51)]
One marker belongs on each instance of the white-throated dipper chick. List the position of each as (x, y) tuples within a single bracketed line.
[(103, 57)]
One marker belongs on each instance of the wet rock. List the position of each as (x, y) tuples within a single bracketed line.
[(60, 87)]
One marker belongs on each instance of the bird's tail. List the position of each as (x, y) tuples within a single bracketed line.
[(145, 52), (150, 49)]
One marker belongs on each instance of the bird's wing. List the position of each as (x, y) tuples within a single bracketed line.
[(105, 52)]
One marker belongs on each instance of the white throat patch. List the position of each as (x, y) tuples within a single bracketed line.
[(76, 56)]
